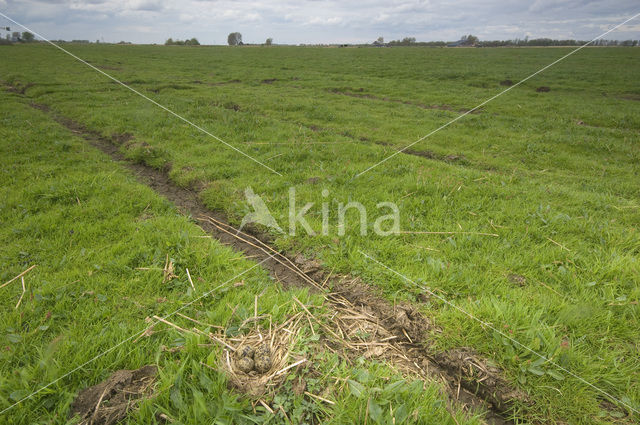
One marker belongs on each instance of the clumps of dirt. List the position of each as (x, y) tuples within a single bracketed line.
[(174, 86), (224, 83), (631, 96), (451, 158), (507, 83), (476, 374), (109, 67), (613, 410), (231, 106), (517, 279), (402, 318), (19, 88), (121, 138), (543, 89), (347, 91), (312, 268), (269, 81), (109, 401), (41, 107)]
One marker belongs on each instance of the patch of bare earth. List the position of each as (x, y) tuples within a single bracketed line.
[(110, 401), (631, 96)]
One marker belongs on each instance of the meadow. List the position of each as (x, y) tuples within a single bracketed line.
[(532, 201)]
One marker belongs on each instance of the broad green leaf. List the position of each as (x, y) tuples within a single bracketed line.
[(356, 388), (535, 370), (15, 338), (555, 374), (400, 413), (375, 411)]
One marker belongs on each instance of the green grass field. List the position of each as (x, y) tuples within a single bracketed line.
[(552, 175)]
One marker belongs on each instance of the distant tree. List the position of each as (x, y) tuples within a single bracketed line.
[(408, 40), (27, 37), (192, 42), (269, 41), (234, 39), (469, 40)]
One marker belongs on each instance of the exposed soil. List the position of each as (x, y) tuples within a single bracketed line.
[(19, 87), (224, 83), (269, 81), (517, 279), (543, 89), (232, 106), (109, 401), (433, 155), (109, 67), (122, 138), (451, 158), (507, 83), (631, 96), (349, 91), (466, 374)]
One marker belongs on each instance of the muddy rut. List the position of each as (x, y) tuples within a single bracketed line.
[(470, 379)]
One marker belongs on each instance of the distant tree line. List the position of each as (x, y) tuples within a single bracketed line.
[(465, 40), (192, 42), (473, 41), (536, 42)]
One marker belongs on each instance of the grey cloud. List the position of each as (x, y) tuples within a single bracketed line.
[(318, 21)]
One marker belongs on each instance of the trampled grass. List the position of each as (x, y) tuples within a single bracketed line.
[(554, 174)]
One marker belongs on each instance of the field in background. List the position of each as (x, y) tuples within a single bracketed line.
[(551, 168)]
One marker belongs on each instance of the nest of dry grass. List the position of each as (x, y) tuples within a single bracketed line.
[(279, 341)]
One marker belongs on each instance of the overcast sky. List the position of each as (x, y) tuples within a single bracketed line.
[(320, 21)]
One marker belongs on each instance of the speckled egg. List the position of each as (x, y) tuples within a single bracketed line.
[(262, 350), (245, 364), (263, 363), (245, 351)]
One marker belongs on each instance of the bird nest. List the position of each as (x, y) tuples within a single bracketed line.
[(259, 361)]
